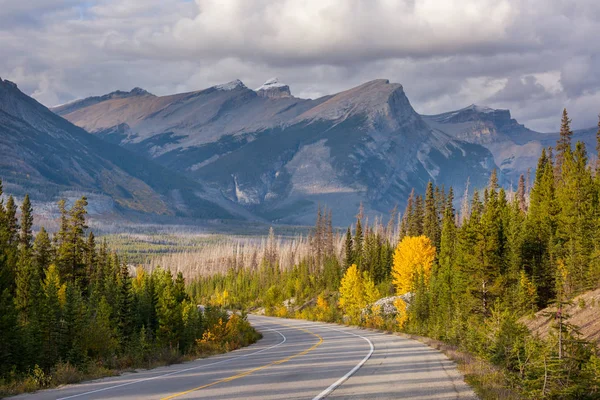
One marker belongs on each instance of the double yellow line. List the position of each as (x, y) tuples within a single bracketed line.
[(251, 371)]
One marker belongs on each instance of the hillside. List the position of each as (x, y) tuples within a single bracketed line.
[(515, 147), (584, 312), (48, 157), (280, 156)]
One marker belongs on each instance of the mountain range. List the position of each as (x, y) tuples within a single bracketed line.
[(232, 152), (49, 157)]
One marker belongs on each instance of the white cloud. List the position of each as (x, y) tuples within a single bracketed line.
[(532, 56)]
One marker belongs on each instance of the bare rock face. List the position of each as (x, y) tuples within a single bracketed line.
[(280, 156), (274, 89), (46, 156)]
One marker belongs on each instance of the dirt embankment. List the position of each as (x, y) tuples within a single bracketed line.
[(584, 313)]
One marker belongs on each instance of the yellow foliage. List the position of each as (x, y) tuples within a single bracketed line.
[(401, 315), (351, 293), (222, 299), (371, 293), (413, 256), (281, 312), (322, 309), (356, 292), (62, 295)]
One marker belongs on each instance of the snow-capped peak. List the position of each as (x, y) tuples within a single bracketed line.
[(230, 85), (271, 83), (480, 109)]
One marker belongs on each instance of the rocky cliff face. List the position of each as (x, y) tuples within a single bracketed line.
[(515, 148), (273, 89), (280, 156)]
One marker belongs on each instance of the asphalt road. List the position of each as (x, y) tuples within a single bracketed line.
[(294, 360)]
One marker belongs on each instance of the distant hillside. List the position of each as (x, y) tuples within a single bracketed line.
[(280, 156), (47, 156), (515, 147)]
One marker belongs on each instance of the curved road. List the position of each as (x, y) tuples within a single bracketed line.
[(294, 360)]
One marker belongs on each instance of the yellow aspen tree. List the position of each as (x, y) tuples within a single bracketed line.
[(351, 294), (371, 293), (414, 255)]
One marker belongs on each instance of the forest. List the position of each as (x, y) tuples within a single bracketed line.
[(468, 277), (468, 272), (71, 309)]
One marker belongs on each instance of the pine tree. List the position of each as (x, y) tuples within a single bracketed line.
[(541, 224), (431, 225), (563, 144), (358, 243), (493, 183), (50, 326), (415, 226), (42, 251), (71, 248), (521, 195), (124, 308), (348, 250), (12, 222), (26, 235)]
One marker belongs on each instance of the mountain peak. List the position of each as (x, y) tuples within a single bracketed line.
[(480, 109), (138, 91), (8, 83), (274, 89), (234, 84), (381, 102)]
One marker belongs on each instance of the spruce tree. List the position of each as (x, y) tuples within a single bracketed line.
[(563, 144), (521, 195), (358, 244), (12, 222), (431, 224), (26, 235), (348, 250), (42, 251), (124, 307)]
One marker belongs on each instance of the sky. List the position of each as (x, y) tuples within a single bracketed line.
[(533, 57)]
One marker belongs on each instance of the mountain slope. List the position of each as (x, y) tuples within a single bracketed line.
[(46, 155), (516, 149), (281, 156)]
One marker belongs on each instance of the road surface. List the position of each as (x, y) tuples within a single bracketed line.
[(294, 360)]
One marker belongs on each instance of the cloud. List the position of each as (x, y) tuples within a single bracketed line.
[(533, 57)]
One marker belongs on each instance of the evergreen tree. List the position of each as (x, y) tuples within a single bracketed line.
[(51, 316), (358, 243), (26, 236), (431, 225), (42, 251), (124, 308), (12, 222), (521, 195), (348, 250), (563, 144)]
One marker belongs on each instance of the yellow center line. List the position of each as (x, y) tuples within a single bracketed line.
[(251, 371)]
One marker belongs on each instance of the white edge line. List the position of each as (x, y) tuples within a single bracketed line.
[(344, 378), (179, 371)]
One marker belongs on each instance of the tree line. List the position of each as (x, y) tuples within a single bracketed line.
[(67, 302), (467, 277)]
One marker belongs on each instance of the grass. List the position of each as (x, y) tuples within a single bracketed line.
[(65, 373)]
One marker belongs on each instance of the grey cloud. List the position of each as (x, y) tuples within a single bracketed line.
[(445, 57)]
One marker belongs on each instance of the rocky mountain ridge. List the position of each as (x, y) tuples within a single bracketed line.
[(280, 156), (48, 157)]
